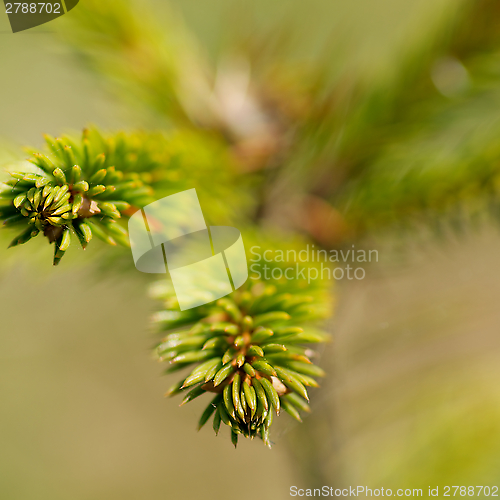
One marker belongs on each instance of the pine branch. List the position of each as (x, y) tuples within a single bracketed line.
[(249, 348), (90, 186), (76, 190), (247, 351)]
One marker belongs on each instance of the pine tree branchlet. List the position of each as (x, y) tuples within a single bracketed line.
[(80, 190), (247, 351)]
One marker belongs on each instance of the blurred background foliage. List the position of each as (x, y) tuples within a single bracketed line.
[(372, 123)]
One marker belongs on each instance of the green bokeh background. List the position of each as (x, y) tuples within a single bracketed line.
[(412, 399)]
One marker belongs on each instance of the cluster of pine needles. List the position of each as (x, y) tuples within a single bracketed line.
[(248, 353)]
